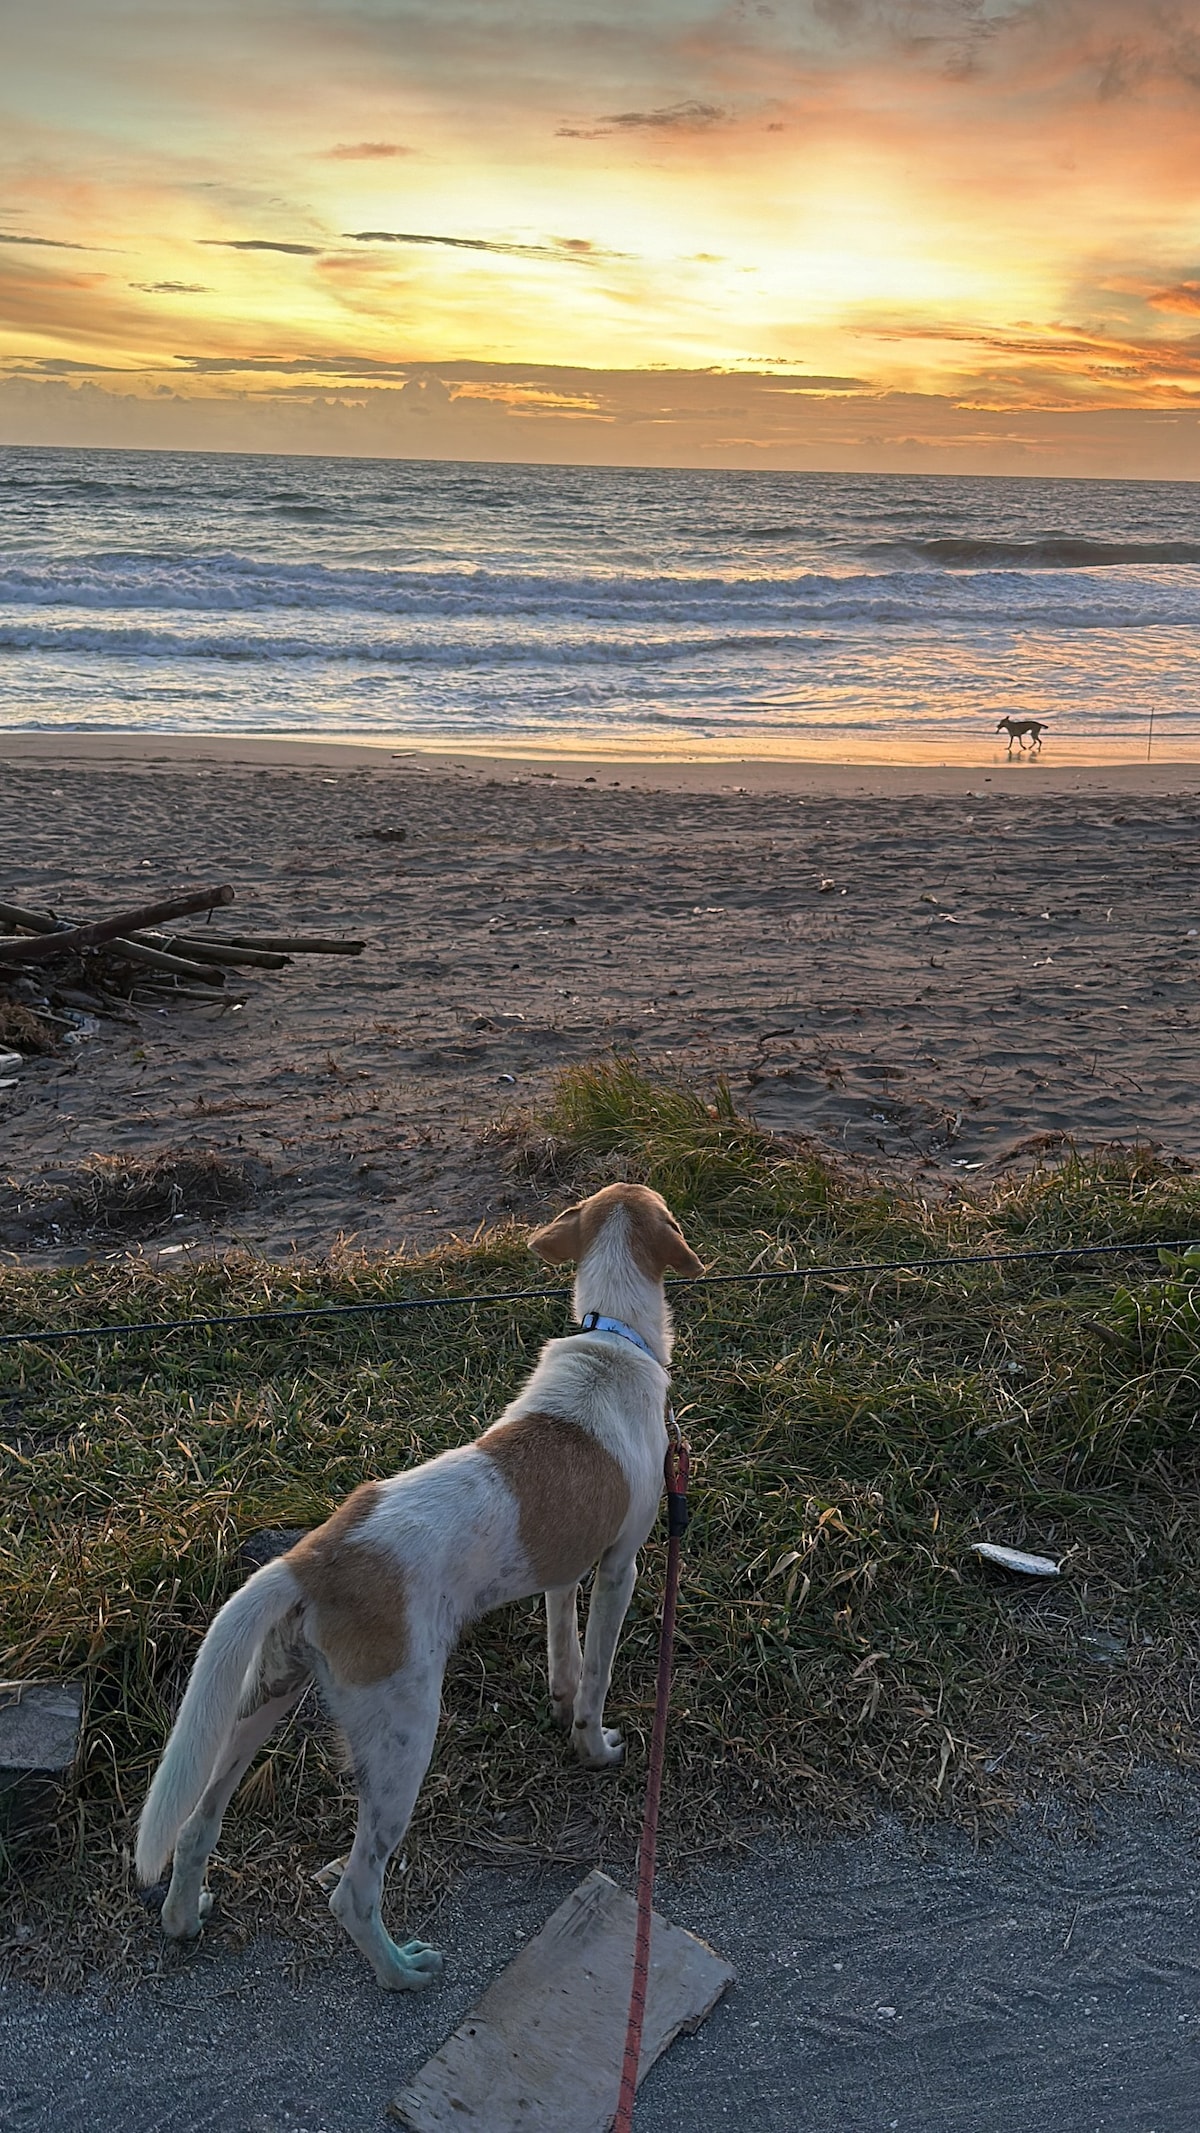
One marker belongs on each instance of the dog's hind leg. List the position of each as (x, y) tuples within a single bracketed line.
[(390, 1729), (187, 1900), (596, 1747), (564, 1656)]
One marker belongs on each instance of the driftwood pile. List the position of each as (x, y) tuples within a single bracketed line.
[(100, 966)]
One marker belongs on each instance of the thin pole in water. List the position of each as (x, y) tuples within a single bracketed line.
[(1150, 735)]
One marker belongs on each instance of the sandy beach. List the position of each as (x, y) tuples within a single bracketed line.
[(940, 972)]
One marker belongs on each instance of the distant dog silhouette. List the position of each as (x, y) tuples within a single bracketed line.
[(1017, 728)]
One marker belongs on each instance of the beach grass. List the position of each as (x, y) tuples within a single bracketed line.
[(840, 1647)]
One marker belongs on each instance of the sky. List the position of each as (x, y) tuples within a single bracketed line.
[(956, 236)]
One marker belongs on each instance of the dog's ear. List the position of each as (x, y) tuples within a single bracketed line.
[(674, 1249), (559, 1240), (659, 1243)]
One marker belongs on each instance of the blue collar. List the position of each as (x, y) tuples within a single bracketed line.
[(595, 1322)]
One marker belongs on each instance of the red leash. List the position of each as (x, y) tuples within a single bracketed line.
[(677, 1518)]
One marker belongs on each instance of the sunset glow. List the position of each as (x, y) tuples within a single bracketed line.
[(848, 233)]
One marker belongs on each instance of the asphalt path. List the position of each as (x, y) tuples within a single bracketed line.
[(890, 1982)]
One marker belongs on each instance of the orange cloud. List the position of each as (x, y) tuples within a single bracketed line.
[(690, 115), (610, 419), (365, 152), (908, 198), (1185, 296)]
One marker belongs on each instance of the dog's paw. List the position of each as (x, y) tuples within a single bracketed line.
[(563, 1710), (410, 1968), (598, 1748), (182, 1920)]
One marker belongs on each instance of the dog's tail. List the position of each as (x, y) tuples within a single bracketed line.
[(221, 1680)]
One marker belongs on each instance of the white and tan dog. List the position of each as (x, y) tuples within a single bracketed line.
[(371, 1604)]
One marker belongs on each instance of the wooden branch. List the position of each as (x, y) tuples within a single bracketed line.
[(33, 921), (265, 951), (156, 959), (223, 1000), (282, 945), (215, 951), (49, 946)]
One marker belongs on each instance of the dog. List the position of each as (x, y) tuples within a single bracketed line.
[(371, 1604), (1017, 728)]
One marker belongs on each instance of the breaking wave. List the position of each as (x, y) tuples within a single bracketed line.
[(1051, 551), (203, 593)]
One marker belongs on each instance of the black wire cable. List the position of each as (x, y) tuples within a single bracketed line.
[(41, 1335)]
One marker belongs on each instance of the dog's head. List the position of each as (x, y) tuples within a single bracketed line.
[(656, 1241)]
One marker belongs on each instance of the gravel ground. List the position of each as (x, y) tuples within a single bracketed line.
[(886, 1983)]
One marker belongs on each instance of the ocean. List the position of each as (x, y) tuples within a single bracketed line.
[(849, 617)]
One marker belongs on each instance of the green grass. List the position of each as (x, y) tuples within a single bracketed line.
[(839, 1646)]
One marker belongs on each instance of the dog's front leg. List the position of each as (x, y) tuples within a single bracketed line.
[(597, 1748), (564, 1657)]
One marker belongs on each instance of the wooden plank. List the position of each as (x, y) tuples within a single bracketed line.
[(541, 2053)]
